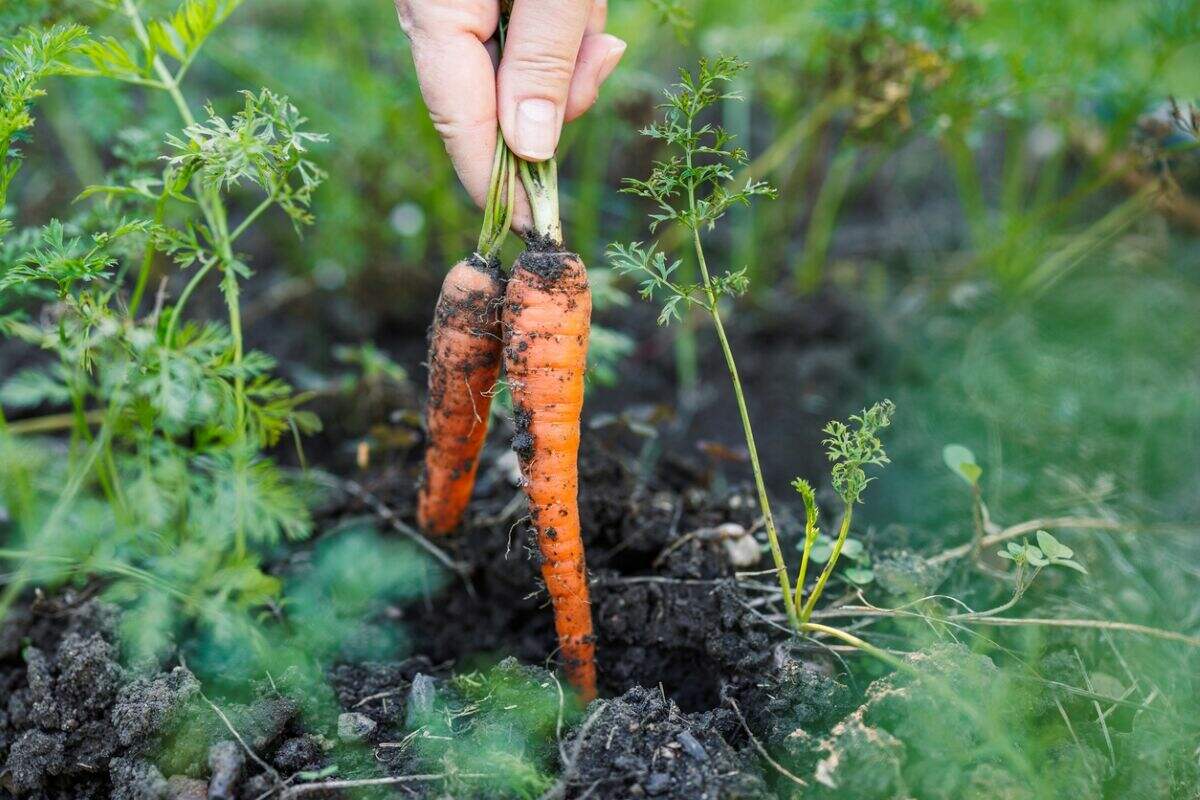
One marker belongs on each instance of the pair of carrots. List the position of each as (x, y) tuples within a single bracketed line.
[(535, 324)]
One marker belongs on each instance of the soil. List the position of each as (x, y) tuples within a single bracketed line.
[(695, 685), (676, 645)]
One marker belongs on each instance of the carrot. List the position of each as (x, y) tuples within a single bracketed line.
[(464, 362), (546, 319)]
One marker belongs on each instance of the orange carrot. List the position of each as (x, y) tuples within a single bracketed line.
[(464, 362), (547, 314)]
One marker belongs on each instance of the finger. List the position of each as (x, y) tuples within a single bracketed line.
[(598, 57), (598, 18), (457, 81), (535, 73)]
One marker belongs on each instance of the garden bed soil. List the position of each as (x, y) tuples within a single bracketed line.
[(679, 651), (702, 695)]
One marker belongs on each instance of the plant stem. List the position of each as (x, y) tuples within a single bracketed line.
[(541, 185), (810, 538), (502, 196), (977, 519), (214, 212), (1022, 586), (251, 217), (143, 277), (755, 466), (169, 336), (806, 612), (46, 424)]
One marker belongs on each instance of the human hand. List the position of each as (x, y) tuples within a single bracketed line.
[(556, 56)]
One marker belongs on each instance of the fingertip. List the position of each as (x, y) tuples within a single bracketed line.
[(599, 55), (534, 133)]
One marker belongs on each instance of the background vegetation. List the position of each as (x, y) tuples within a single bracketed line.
[(987, 211)]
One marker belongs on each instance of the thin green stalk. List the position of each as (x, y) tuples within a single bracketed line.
[(501, 200), (173, 323), (755, 466), (977, 518), (834, 188), (213, 209), (806, 612), (143, 277), (970, 185), (541, 184), (251, 217), (1022, 586), (45, 424), (810, 539)]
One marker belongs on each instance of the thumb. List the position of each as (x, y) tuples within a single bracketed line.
[(535, 73)]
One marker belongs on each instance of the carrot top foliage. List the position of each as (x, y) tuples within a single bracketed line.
[(163, 486), (691, 187)]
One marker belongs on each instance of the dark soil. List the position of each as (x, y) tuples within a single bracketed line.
[(675, 641), (695, 685), (75, 724)]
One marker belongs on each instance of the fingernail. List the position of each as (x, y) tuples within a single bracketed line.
[(611, 60), (537, 128)]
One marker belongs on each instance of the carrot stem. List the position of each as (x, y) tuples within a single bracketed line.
[(759, 484), (806, 612), (541, 185), (502, 195)]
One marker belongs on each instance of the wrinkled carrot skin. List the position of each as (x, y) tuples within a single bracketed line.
[(547, 315), (464, 363)]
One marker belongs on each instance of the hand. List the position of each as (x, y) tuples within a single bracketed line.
[(556, 56)]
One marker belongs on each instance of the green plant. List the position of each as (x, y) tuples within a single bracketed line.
[(851, 448), (692, 188), (165, 484)]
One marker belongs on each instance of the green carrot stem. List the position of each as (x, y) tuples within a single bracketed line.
[(541, 185), (806, 612)]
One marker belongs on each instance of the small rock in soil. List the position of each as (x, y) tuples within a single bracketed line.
[(421, 697), (692, 746), (225, 760), (355, 727)]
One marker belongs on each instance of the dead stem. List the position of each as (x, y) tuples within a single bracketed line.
[(327, 786)]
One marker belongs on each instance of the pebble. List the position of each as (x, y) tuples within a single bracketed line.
[(354, 727), (692, 746), (420, 699), (225, 762), (742, 551), (180, 787)]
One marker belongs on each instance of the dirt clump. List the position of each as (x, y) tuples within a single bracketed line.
[(76, 723), (641, 745)]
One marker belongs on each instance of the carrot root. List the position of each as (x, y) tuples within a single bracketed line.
[(464, 363), (547, 314)]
